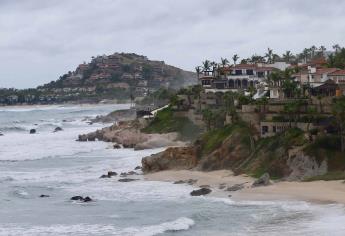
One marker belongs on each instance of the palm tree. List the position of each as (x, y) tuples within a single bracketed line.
[(312, 50), (322, 49), (198, 70), (224, 62), (235, 58), (206, 66), (336, 47), (269, 56), (338, 109), (305, 54), (287, 56)]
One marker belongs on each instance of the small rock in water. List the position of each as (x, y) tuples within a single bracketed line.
[(116, 146), (77, 198), (1, 134), (137, 168), (57, 129), (112, 173), (127, 180), (43, 195), (104, 176), (229, 195), (32, 131), (200, 192), (180, 182), (87, 199)]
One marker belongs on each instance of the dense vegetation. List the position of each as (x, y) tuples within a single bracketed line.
[(165, 122)]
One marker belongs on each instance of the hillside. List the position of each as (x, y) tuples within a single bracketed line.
[(117, 76)]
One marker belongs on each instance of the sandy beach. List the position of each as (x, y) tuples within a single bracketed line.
[(317, 191)]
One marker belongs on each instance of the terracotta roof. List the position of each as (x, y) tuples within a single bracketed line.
[(244, 66), (338, 72), (325, 71)]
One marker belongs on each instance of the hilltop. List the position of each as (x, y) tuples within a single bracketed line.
[(118, 76)]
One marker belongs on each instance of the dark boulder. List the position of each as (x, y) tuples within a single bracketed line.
[(125, 180), (108, 175), (32, 131), (264, 180), (117, 146), (87, 199), (104, 176), (77, 198), (200, 192), (180, 182), (137, 168), (57, 129), (1, 134), (112, 173), (43, 195)]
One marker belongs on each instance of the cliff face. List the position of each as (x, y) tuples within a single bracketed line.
[(177, 158), (282, 156)]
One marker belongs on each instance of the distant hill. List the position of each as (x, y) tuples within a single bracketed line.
[(116, 76)]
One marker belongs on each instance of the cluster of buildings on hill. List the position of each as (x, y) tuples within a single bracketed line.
[(270, 109), (322, 80)]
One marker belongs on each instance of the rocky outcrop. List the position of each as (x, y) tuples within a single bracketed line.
[(177, 158), (230, 154), (304, 166), (116, 116), (264, 180), (129, 135)]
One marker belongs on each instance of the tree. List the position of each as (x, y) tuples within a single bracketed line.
[(336, 47), (263, 103), (269, 56), (235, 58), (224, 62), (287, 56), (198, 70), (312, 50), (322, 49), (305, 54), (206, 66), (338, 109), (208, 117)]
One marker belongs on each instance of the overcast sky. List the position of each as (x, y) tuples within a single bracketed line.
[(42, 39)]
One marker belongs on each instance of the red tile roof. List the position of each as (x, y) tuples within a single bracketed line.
[(325, 71), (338, 72)]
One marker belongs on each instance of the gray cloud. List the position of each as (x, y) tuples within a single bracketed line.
[(42, 39)]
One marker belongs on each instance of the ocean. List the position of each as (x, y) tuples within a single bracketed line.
[(54, 164)]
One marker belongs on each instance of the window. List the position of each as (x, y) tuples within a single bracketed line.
[(274, 129), (250, 72), (238, 72), (264, 129), (261, 74)]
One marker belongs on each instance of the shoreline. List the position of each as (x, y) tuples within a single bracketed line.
[(322, 192)]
